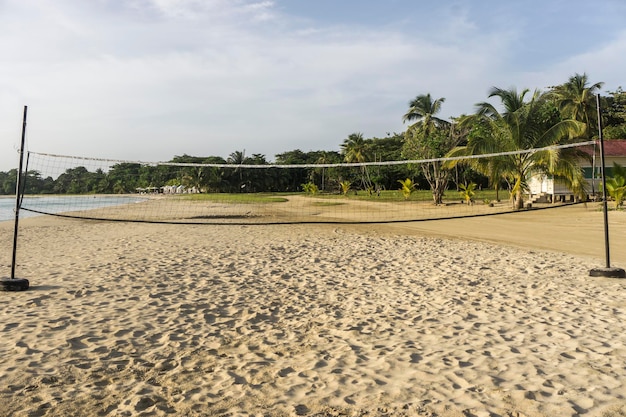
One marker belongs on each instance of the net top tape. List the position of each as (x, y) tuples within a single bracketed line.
[(352, 164)]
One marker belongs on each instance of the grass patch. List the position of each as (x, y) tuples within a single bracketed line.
[(392, 196), (333, 199)]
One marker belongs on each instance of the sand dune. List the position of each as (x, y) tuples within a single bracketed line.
[(405, 320)]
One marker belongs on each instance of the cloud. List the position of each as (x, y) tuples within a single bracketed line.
[(210, 11), (601, 63), (150, 79)]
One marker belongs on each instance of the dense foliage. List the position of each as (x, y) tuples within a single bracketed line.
[(427, 137), (523, 124)]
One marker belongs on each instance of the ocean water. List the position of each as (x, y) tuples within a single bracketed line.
[(59, 204)]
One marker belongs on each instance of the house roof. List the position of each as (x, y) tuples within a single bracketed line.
[(612, 147)]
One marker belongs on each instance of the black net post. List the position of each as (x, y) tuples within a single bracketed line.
[(13, 283), (607, 271)]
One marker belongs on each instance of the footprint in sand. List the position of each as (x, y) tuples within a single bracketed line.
[(301, 410), (76, 343), (286, 371), (416, 358)]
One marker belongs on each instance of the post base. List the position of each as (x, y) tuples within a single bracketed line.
[(608, 272), (13, 284)]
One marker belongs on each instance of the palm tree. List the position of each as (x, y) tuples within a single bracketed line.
[(345, 187), (194, 178), (429, 138), (467, 192), (522, 125), (408, 186), (576, 99), (616, 184), (257, 159), (355, 149), (423, 109), (322, 159), (238, 158)]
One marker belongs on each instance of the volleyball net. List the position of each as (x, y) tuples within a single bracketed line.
[(204, 192)]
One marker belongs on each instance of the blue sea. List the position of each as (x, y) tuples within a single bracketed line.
[(59, 204)]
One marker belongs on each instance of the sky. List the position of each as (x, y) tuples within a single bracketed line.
[(147, 80)]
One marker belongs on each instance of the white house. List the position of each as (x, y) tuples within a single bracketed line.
[(543, 187)]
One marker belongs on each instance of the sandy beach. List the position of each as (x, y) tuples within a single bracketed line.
[(493, 316)]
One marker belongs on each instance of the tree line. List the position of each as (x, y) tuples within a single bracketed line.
[(524, 119)]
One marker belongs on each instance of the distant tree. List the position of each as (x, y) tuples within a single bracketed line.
[(257, 159), (422, 109), (388, 148), (325, 174), (614, 126), (355, 149), (259, 180), (576, 99), (103, 185), (124, 177), (290, 179), (9, 182), (238, 158), (73, 181), (194, 179)]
